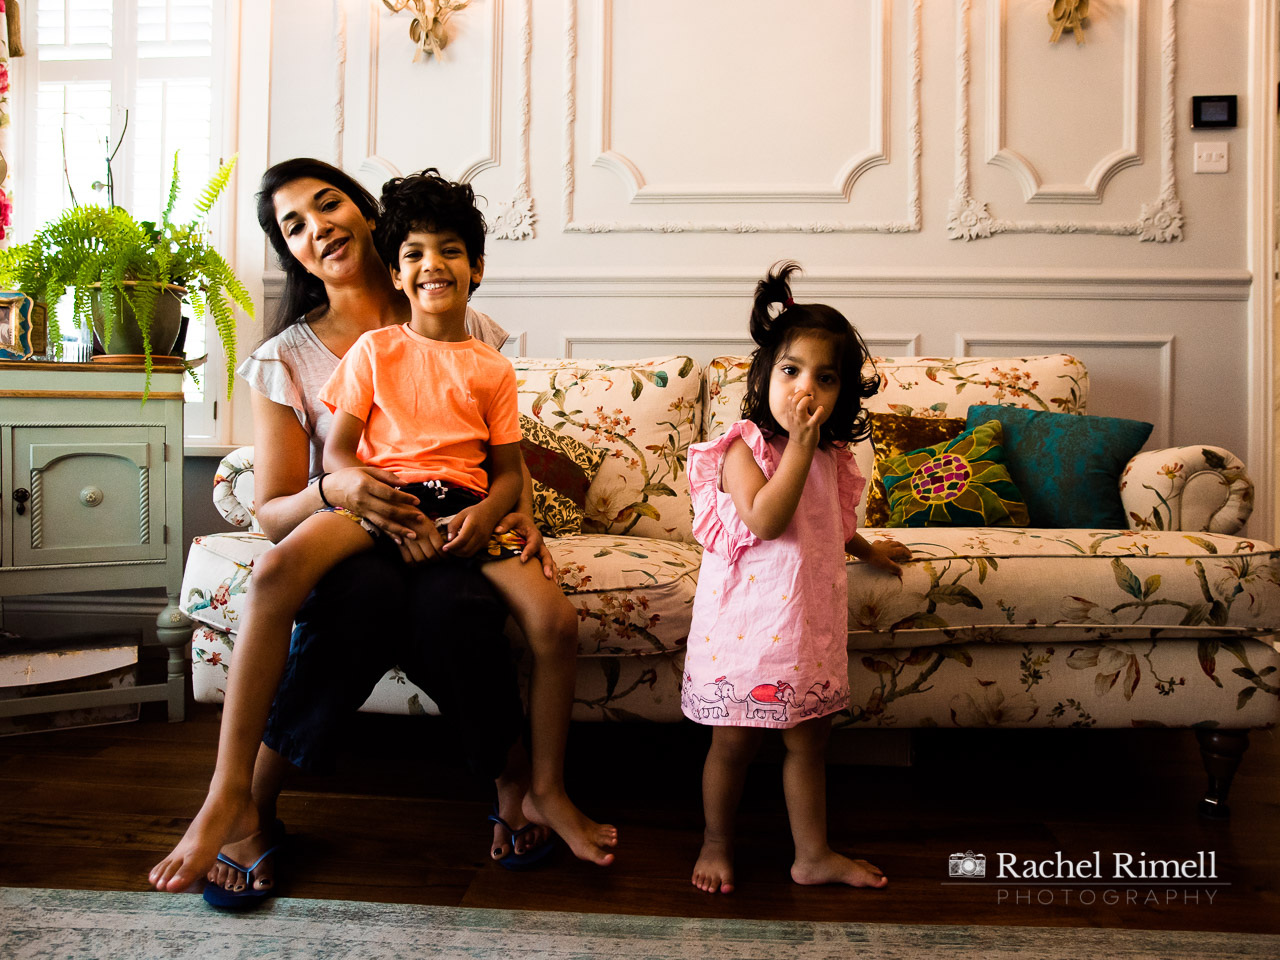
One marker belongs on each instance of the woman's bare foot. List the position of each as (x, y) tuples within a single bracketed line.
[(586, 838), (832, 867), (511, 791), (222, 816), (246, 852), (713, 873)]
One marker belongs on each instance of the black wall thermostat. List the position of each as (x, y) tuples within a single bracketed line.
[(1213, 112)]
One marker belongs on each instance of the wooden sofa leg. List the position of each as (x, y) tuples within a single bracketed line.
[(1221, 751)]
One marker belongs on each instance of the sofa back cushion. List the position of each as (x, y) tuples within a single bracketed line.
[(644, 414), (925, 387)]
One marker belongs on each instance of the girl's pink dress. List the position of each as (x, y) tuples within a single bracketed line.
[(767, 643)]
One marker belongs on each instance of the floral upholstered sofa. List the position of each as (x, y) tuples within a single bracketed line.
[(1170, 622)]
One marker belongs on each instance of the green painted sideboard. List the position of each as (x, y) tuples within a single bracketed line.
[(91, 500)]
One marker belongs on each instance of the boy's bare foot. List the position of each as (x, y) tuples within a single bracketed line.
[(713, 873), (221, 816), (831, 867), (247, 852), (587, 839)]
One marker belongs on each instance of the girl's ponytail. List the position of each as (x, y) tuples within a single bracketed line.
[(775, 288)]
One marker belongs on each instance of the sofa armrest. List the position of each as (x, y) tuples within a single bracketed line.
[(1200, 489), (233, 489)]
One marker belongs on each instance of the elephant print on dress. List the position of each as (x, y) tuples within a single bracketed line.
[(769, 701), (705, 708)]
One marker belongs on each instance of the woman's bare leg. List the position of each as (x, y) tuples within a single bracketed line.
[(723, 774), (804, 781), (282, 579), (550, 625)]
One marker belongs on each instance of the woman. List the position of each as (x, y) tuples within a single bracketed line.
[(320, 223)]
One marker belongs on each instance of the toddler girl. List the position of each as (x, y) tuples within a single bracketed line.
[(774, 502)]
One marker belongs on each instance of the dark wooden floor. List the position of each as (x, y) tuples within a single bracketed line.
[(96, 808)]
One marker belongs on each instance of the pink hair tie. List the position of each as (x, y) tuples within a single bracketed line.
[(788, 303)]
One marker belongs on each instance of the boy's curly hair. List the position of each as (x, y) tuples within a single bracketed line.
[(427, 201), (849, 421)]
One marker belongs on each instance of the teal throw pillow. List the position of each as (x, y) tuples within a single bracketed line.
[(1067, 465), (959, 482)]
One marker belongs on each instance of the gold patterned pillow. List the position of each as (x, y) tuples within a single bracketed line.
[(893, 435), (562, 469)]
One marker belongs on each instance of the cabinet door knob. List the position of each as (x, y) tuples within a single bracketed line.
[(91, 496), (21, 496)]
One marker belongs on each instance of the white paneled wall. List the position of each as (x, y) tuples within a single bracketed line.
[(946, 176)]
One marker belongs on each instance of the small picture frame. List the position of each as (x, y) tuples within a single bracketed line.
[(1207, 112)]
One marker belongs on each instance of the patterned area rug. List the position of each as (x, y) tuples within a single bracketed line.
[(65, 924)]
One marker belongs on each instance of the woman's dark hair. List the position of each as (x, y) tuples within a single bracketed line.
[(427, 201), (302, 291), (848, 422)]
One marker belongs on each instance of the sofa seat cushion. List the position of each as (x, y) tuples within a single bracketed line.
[(634, 595), (1001, 585)]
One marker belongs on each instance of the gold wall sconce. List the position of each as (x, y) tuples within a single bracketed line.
[(427, 28), (1067, 15)]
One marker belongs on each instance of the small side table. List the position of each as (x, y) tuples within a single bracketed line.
[(91, 499)]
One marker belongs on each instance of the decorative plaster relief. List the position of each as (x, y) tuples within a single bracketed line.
[(1161, 221), (513, 220), (1133, 372), (641, 192), (1001, 154)]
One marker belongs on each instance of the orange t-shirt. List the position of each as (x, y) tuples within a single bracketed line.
[(431, 408)]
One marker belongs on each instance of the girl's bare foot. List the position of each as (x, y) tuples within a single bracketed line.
[(713, 873), (222, 816), (831, 867), (587, 839)]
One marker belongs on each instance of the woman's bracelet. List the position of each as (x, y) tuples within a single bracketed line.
[(320, 487)]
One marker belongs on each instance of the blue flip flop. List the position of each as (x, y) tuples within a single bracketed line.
[(225, 899), (530, 858)]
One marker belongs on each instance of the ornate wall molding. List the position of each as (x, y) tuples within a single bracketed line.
[(836, 190), (706, 345), (1000, 154), (513, 220), (640, 192), (1161, 220), (1161, 346)]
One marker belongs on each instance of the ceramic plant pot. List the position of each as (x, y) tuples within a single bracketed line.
[(126, 337)]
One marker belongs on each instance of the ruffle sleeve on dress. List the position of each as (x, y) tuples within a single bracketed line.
[(716, 524), (849, 486)]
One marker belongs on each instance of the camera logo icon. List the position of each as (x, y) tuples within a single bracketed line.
[(967, 865)]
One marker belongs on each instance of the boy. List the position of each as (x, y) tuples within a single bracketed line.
[(437, 407)]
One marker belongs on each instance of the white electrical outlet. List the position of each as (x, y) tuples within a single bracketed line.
[(1211, 157)]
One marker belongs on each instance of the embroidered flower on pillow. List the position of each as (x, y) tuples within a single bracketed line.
[(961, 482)]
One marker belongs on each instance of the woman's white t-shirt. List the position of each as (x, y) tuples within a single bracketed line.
[(292, 366)]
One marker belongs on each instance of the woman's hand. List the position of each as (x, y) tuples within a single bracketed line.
[(534, 546), (372, 493), (428, 544)]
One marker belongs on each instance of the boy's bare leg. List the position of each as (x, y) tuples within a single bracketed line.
[(550, 625), (804, 782), (723, 774), (269, 771), (281, 581)]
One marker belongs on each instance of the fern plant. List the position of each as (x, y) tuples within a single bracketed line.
[(91, 247)]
